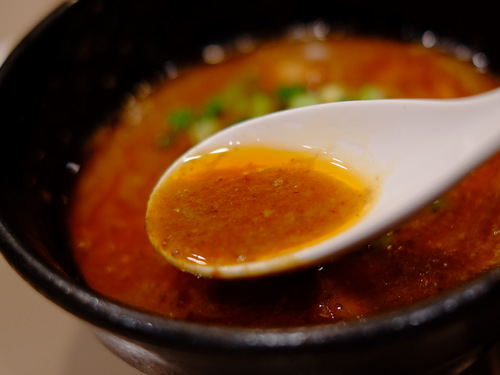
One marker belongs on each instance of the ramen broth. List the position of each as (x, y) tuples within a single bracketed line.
[(453, 240), (246, 204)]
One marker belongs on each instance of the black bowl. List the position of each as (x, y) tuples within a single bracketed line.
[(72, 72)]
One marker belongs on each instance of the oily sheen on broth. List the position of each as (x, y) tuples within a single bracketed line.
[(247, 204), (453, 240)]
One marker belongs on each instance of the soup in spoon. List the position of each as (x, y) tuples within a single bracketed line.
[(245, 204)]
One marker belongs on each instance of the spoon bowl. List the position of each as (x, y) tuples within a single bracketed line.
[(411, 151)]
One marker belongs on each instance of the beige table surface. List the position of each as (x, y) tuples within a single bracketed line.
[(36, 336)]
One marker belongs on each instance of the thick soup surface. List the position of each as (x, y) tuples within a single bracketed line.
[(246, 204), (455, 239)]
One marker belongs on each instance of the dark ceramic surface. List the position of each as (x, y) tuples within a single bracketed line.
[(67, 77)]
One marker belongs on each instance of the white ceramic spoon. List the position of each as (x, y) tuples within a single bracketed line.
[(414, 149)]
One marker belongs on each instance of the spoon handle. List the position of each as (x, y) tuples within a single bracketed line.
[(421, 148)]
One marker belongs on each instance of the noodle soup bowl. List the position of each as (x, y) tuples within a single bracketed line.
[(73, 71)]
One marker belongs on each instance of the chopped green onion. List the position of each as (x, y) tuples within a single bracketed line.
[(332, 93), (181, 119), (213, 108), (287, 93), (370, 92), (302, 100), (203, 128), (436, 205), (260, 104), (243, 99)]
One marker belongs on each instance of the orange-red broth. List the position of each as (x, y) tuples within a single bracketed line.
[(454, 240), (250, 203)]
